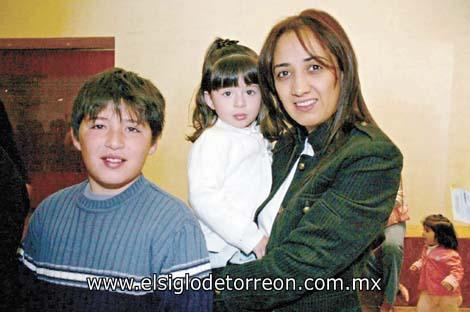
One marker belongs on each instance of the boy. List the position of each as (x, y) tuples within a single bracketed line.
[(116, 224)]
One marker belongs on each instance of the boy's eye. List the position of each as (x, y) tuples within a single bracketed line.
[(97, 126), (133, 130)]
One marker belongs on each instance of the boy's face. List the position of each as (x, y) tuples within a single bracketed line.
[(113, 149)]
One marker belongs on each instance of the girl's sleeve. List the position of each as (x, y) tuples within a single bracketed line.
[(456, 270), (207, 167)]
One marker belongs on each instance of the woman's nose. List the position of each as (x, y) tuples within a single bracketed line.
[(300, 85)]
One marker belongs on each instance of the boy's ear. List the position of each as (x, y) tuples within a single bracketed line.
[(153, 148), (75, 141), (208, 99)]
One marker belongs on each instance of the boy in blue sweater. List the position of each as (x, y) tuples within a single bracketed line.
[(115, 242)]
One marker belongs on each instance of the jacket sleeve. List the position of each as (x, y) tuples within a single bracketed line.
[(335, 232), (456, 270), (208, 165)]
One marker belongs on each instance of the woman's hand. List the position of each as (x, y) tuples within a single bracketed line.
[(260, 248)]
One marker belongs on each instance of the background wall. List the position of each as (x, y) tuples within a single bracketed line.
[(414, 59)]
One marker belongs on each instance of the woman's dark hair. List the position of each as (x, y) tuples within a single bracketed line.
[(443, 230), (224, 63), (331, 36)]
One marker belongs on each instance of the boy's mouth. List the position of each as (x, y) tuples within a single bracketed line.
[(113, 161)]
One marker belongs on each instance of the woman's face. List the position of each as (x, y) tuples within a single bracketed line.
[(308, 91)]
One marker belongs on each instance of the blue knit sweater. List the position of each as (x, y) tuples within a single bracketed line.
[(140, 233)]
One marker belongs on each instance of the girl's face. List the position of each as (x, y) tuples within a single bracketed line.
[(238, 106), (429, 236), (308, 91)]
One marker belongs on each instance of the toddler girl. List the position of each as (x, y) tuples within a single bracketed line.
[(229, 165), (440, 267)]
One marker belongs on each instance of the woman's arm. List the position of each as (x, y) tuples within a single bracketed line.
[(332, 234)]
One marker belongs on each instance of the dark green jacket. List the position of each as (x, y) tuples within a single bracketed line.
[(326, 222)]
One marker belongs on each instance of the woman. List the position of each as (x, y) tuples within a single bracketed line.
[(335, 174)]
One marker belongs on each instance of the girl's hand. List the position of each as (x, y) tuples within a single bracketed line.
[(447, 285), (260, 248), (413, 268)]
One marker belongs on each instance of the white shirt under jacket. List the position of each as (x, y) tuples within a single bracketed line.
[(229, 177)]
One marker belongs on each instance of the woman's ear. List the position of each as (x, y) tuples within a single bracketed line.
[(208, 100)]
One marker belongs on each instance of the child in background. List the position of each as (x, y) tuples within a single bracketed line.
[(440, 267), (229, 164), (116, 224)]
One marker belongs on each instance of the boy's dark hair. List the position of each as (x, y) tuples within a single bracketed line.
[(443, 230), (119, 86), (224, 63)]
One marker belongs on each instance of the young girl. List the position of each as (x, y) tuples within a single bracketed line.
[(229, 164), (440, 267)]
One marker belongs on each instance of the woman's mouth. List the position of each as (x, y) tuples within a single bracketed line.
[(305, 105)]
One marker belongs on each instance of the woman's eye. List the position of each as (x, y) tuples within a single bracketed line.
[(315, 67), (282, 74)]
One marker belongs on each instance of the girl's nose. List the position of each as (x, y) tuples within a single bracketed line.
[(240, 101)]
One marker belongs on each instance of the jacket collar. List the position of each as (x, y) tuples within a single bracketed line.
[(316, 138)]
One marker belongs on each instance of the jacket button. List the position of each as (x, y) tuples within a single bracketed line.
[(306, 209), (364, 123), (301, 166)]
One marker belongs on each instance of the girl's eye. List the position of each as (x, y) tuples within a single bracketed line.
[(227, 93), (250, 92)]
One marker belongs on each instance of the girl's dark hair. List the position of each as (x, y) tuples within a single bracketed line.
[(332, 37), (224, 63), (443, 229)]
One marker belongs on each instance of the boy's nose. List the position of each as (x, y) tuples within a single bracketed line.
[(114, 140)]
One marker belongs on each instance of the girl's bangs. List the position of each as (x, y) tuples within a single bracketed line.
[(226, 71)]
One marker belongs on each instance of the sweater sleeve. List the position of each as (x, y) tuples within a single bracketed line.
[(207, 168), (331, 235), (187, 257)]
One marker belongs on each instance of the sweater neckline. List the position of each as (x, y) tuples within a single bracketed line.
[(112, 203), (252, 128)]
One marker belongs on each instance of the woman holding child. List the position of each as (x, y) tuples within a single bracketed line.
[(335, 173)]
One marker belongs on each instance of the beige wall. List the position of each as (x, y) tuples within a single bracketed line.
[(414, 59)]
